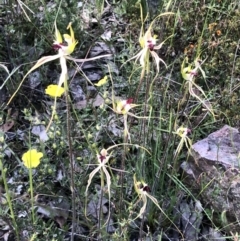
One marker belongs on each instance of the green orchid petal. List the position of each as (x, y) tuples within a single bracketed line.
[(71, 44), (58, 36), (71, 41), (71, 31), (68, 38)]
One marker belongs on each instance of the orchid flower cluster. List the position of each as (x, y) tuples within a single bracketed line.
[(189, 74), (65, 45), (102, 158)]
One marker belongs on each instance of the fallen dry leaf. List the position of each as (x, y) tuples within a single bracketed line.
[(95, 102), (7, 126)]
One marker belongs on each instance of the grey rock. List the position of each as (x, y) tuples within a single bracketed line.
[(213, 171), (191, 219)]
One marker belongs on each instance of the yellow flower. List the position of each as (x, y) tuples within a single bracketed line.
[(31, 158), (102, 81), (54, 90)]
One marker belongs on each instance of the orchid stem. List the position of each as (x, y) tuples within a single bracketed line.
[(100, 202), (125, 140), (71, 161)]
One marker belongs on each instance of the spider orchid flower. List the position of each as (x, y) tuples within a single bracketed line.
[(148, 44), (102, 159), (183, 133), (123, 107), (189, 74), (64, 48), (143, 190), (102, 167)]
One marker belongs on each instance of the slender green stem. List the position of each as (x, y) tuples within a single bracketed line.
[(125, 140), (3, 171), (71, 161), (31, 193)]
